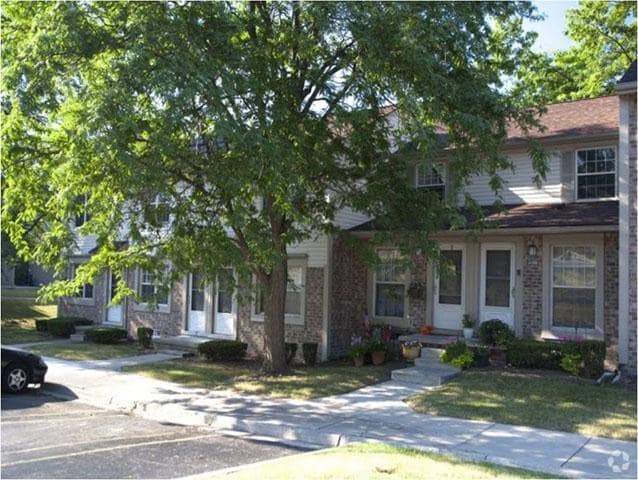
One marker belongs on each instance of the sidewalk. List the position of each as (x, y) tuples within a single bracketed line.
[(375, 413)]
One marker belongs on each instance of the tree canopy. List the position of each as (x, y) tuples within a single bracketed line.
[(604, 36), (252, 123)]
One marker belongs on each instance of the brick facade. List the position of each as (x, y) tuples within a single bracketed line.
[(633, 235), (532, 271), (93, 308), (611, 297)]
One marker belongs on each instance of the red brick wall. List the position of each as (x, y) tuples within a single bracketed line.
[(633, 234), (611, 297), (533, 288)]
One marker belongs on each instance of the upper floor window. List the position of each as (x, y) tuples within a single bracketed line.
[(82, 217), (86, 290), (149, 288), (596, 173), (430, 178), (161, 206)]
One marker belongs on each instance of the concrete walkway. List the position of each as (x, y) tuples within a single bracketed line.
[(375, 413)]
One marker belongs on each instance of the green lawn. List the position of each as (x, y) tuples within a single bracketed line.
[(376, 462), (86, 351), (553, 401), (19, 314), (301, 382)]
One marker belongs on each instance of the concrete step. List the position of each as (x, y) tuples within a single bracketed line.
[(431, 354), (182, 342), (427, 378), (77, 337)]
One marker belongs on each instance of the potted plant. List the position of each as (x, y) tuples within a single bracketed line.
[(425, 329), (377, 349), (358, 351), (468, 326), (411, 349)]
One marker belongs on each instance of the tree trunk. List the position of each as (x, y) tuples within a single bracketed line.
[(274, 342)]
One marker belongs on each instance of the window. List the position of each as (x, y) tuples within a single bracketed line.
[(197, 292), (225, 292), (86, 290), (162, 208), (574, 287), (389, 283), (295, 291), (150, 288), (497, 278), (430, 179), (451, 278), (84, 216), (596, 173)]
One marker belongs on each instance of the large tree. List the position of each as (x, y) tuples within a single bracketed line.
[(604, 36), (255, 121)]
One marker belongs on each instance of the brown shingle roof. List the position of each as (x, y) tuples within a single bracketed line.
[(540, 215), (591, 117)]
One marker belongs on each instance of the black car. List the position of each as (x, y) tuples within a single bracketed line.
[(19, 369)]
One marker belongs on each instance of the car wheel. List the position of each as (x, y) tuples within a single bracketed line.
[(15, 378)]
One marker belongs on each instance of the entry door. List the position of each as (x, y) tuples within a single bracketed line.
[(114, 313), (196, 305), (497, 283), (224, 318), (449, 290)]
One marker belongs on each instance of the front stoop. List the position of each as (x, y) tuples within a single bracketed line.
[(428, 370)]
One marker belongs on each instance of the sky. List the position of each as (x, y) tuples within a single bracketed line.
[(551, 34)]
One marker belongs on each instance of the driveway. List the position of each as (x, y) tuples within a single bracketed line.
[(47, 438)]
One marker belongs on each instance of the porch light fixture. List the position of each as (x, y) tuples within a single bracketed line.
[(532, 250)]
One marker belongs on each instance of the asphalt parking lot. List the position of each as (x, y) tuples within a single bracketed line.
[(47, 438)]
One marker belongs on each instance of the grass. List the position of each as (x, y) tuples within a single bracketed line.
[(374, 461), (19, 313), (541, 400), (86, 351), (244, 377)]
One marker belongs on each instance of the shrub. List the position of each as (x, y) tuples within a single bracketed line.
[(377, 346), (481, 357), (571, 363), (145, 337), (504, 337), (309, 351), (534, 354), (79, 321), (358, 350), (593, 354), (467, 321), (61, 327), (223, 350), (464, 360), (291, 351), (454, 350), (105, 335), (42, 325), (490, 331)]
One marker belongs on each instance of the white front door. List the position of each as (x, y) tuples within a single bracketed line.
[(225, 309), (196, 305), (449, 289), (114, 313), (497, 283)]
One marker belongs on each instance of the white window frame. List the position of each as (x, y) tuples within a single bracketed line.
[(160, 307), (426, 186), (578, 175), (289, 318), (162, 199), (82, 298), (375, 282)]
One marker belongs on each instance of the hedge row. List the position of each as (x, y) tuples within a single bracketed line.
[(105, 335), (61, 326), (222, 350)]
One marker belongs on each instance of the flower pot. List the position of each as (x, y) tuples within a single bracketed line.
[(468, 332), (411, 352), (378, 358), (358, 361), (425, 329)]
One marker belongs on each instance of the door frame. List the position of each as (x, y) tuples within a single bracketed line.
[(234, 310), (207, 310), (436, 284), (511, 310), (107, 298)]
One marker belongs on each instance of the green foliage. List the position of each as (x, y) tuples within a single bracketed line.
[(291, 351), (464, 360), (109, 336), (309, 351), (571, 363), (534, 354), (61, 327), (42, 325), (224, 106), (467, 321), (593, 354), (377, 345), (358, 350), (494, 332), (145, 337), (481, 357), (223, 350), (454, 350), (604, 35)]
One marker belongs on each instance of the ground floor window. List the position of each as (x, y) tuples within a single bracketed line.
[(86, 290), (295, 291), (150, 290), (390, 285), (574, 286)]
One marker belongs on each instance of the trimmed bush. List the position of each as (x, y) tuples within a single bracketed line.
[(61, 327), (309, 351), (222, 350), (593, 353), (481, 357), (291, 351), (42, 325), (534, 354), (463, 361), (145, 337), (453, 350), (492, 332), (105, 335)]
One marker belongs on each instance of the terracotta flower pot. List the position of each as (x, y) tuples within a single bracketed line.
[(378, 358), (411, 352), (358, 361)]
